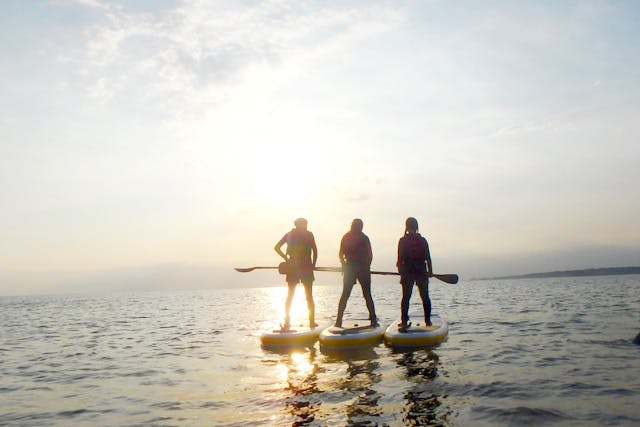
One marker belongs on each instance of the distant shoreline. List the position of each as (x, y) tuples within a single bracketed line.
[(609, 271)]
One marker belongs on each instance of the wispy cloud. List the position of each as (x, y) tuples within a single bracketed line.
[(92, 3), (549, 124), (362, 197), (194, 53)]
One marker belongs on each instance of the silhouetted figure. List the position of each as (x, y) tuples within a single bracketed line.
[(301, 257), (355, 256), (636, 340), (414, 264)]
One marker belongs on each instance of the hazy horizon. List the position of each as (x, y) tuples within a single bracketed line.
[(200, 277), (169, 141)]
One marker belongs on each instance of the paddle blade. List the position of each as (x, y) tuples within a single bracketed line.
[(248, 269), (447, 278)]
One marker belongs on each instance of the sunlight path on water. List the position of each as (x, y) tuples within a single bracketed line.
[(531, 352)]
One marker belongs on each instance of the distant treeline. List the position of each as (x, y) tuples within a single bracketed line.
[(610, 271)]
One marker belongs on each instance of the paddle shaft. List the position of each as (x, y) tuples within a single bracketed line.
[(447, 278)]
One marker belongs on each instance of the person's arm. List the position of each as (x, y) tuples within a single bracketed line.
[(341, 253), (314, 250), (429, 266), (399, 261), (278, 248), (369, 251)]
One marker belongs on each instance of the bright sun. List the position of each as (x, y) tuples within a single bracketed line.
[(285, 176)]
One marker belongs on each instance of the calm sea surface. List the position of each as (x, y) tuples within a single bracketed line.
[(519, 352)]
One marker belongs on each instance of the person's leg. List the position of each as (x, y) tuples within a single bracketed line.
[(308, 291), (342, 304), (365, 284), (423, 287), (287, 305), (407, 289)]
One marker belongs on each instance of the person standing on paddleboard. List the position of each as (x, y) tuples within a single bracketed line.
[(300, 258), (414, 265), (355, 256)]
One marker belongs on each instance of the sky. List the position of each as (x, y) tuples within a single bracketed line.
[(158, 144)]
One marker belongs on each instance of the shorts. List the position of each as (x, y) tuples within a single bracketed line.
[(410, 274), (299, 273), (352, 272), (410, 279)]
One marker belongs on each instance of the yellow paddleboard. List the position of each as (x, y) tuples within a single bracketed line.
[(417, 335), (296, 335), (352, 334)]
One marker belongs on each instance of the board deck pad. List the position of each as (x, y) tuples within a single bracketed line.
[(353, 330), (418, 329), (352, 334), (291, 329), (298, 334)]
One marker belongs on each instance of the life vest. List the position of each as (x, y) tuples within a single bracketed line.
[(299, 245), (414, 247), (355, 247)]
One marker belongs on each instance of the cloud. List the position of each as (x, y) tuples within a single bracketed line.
[(195, 54), (92, 3), (362, 197), (549, 124)]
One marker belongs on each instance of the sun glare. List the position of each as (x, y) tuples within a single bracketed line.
[(299, 313), (281, 186), (286, 174), (297, 367)]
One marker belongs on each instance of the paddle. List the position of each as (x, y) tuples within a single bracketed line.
[(447, 278), (248, 269)]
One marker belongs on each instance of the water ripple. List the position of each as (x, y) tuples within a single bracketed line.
[(526, 352)]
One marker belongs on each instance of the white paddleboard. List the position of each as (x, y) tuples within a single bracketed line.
[(352, 334), (296, 335), (418, 334)]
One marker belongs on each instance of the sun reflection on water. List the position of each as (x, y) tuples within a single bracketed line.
[(296, 367), (296, 373), (297, 364), (299, 313)]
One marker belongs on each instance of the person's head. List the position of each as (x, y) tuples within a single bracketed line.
[(357, 225), (300, 223), (410, 225)]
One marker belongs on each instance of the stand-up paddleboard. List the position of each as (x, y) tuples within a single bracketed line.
[(296, 335), (352, 334), (418, 334)]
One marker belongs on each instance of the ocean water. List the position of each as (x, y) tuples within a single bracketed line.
[(519, 352)]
